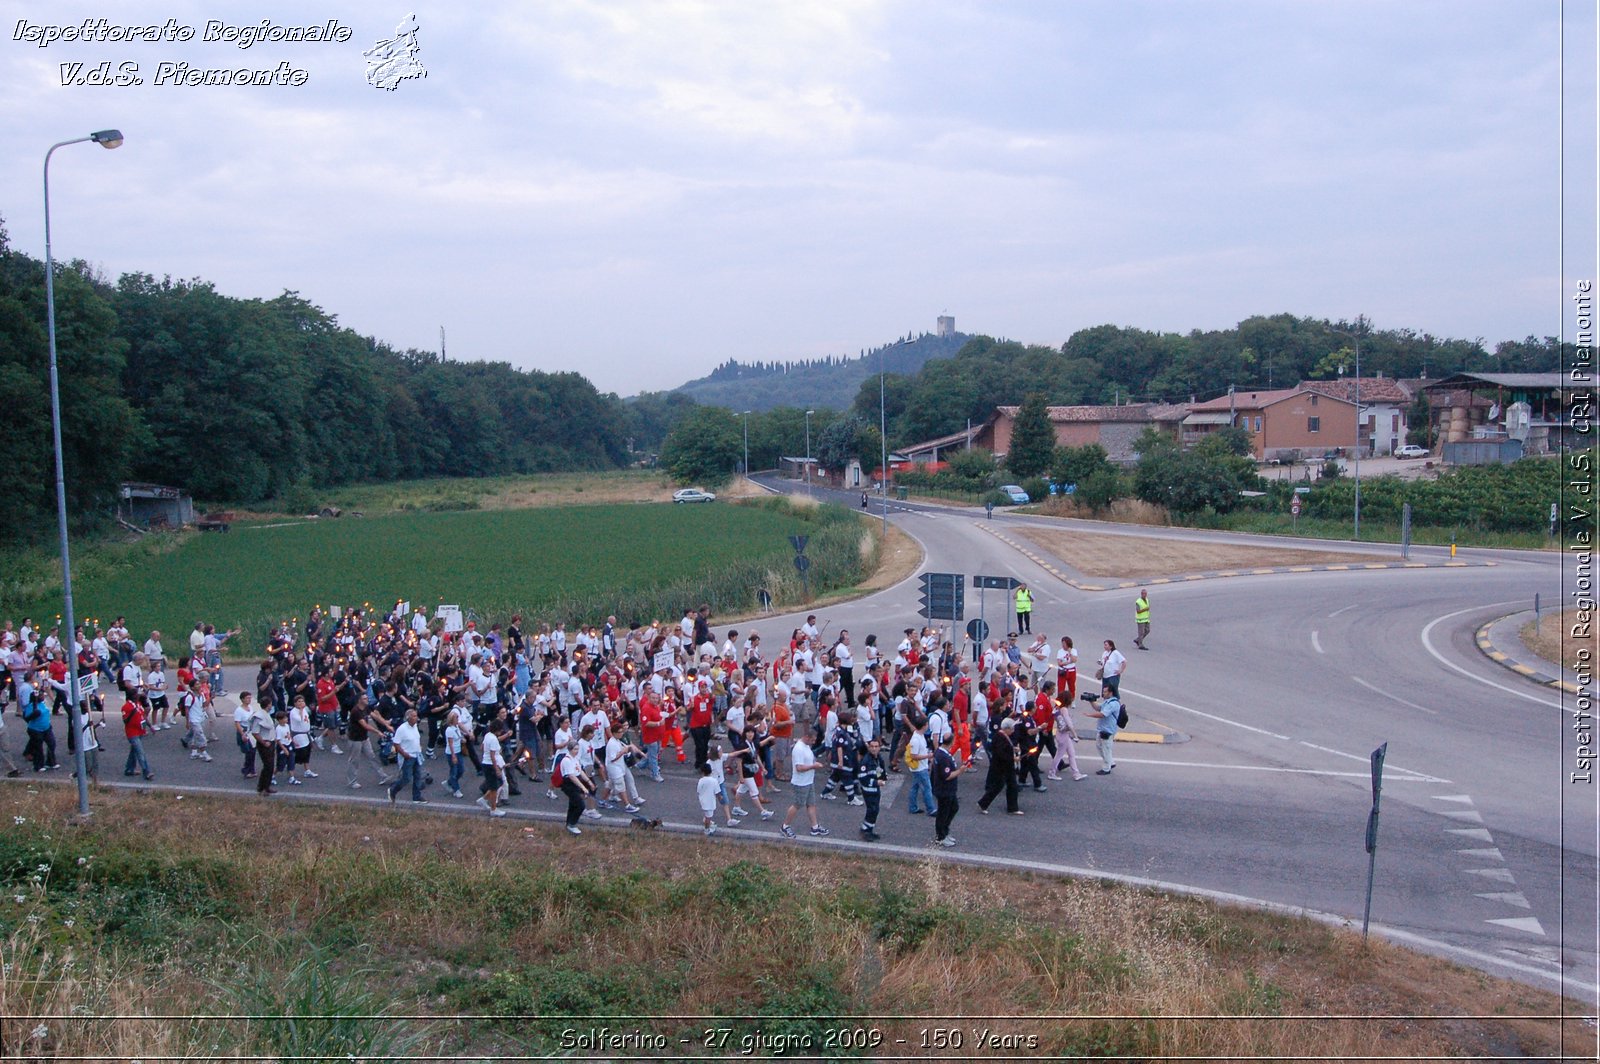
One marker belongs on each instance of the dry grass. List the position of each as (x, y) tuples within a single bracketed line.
[(1125, 511), (1554, 641), (1139, 557), (900, 557), (713, 929)]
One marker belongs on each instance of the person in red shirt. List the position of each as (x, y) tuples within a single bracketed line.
[(134, 727), (1044, 718), (961, 722), (652, 731), (701, 716), (328, 712)]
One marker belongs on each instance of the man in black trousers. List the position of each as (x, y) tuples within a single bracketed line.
[(1002, 769), (946, 770)]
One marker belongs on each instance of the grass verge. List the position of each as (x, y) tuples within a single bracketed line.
[(1553, 639), (389, 929), (1139, 557)]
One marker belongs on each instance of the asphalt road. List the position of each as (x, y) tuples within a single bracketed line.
[(1285, 684)]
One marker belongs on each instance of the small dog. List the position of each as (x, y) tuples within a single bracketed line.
[(645, 823)]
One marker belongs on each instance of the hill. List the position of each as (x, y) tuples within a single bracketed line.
[(829, 383)]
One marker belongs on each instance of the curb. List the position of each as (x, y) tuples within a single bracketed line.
[(1505, 661), (1189, 578)]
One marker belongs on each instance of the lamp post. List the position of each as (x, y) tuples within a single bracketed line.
[(1361, 327), (808, 450), (883, 435), (746, 416), (106, 138)]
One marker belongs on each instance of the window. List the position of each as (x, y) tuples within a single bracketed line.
[(1313, 398), (1258, 422), (1313, 424)]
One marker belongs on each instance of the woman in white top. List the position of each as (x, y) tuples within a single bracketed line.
[(619, 777), (300, 740), (1067, 670), (453, 740), (1112, 664)]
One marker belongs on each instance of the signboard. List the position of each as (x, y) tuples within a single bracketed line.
[(88, 684), (451, 616), (662, 661), (977, 630), (801, 562), (998, 583), (943, 596), (1302, 490), (1294, 506), (799, 543)]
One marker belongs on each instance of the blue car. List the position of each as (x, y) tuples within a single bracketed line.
[(1015, 493)]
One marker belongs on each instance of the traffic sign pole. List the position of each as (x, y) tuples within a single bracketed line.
[(1372, 833)]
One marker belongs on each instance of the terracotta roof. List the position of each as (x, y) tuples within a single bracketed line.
[(1253, 400), (1373, 390)]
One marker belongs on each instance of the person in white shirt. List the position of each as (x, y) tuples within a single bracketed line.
[(706, 790), (844, 660), (1112, 664), (493, 761), (620, 784), (809, 629), (194, 711), (575, 784), (454, 740), (300, 740), (484, 693), (153, 652), (155, 689), (803, 790), (408, 747)]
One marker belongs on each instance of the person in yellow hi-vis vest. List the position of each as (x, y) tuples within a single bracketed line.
[(1141, 617), (1024, 608)]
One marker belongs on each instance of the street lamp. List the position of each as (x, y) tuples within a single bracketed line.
[(1361, 326), (808, 450), (883, 435), (746, 416), (106, 138)]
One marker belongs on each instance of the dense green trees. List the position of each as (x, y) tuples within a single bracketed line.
[(240, 400), (850, 438), (1033, 438), (704, 447), (1207, 477)]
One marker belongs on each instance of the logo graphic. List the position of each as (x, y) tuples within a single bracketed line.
[(395, 60)]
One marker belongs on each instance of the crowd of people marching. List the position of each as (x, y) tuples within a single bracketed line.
[(406, 705)]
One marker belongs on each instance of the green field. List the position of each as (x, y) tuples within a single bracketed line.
[(638, 561)]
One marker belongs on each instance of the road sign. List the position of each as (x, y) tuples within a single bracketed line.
[(799, 543), (977, 630), (801, 562), (943, 596), (764, 597), (1302, 490), (1294, 506), (999, 583), (1372, 831)]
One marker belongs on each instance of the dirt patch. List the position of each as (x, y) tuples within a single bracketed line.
[(575, 491), (1138, 557), (1554, 640), (901, 557)]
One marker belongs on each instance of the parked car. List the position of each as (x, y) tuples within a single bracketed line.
[(693, 495), (1015, 493), (1411, 450)]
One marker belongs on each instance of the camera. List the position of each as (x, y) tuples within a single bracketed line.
[(1089, 697)]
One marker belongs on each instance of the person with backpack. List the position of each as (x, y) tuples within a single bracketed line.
[(1112, 718), (41, 746)]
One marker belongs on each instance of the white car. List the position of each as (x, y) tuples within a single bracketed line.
[(693, 495), (1411, 450)]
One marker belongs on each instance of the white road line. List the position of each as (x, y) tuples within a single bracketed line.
[(1344, 609), (1316, 644), (1271, 768), (1368, 760), (1441, 659), (1395, 698), (1209, 716)]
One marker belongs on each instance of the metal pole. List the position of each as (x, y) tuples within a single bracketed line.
[(883, 441), (746, 416), (1360, 324), (74, 711)]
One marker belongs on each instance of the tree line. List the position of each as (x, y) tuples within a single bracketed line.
[(1115, 364), (242, 400)]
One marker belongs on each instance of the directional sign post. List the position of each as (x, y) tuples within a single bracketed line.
[(977, 631), (1372, 832), (983, 584), (802, 564), (943, 596), (1294, 512)]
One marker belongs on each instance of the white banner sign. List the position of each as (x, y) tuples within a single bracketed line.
[(451, 616)]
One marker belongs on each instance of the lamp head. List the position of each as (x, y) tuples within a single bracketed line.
[(107, 138)]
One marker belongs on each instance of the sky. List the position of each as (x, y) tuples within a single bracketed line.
[(638, 191)]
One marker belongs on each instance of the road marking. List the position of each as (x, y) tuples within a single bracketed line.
[(1272, 768), (1344, 609), (1209, 716), (1502, 874), (1469, 815), (1467, 798), (1514, 897), (1395, 698), (1368, 760), (1316, 644), (1523, 923), (1441, 659), (1491, 854), (1480, 834)]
